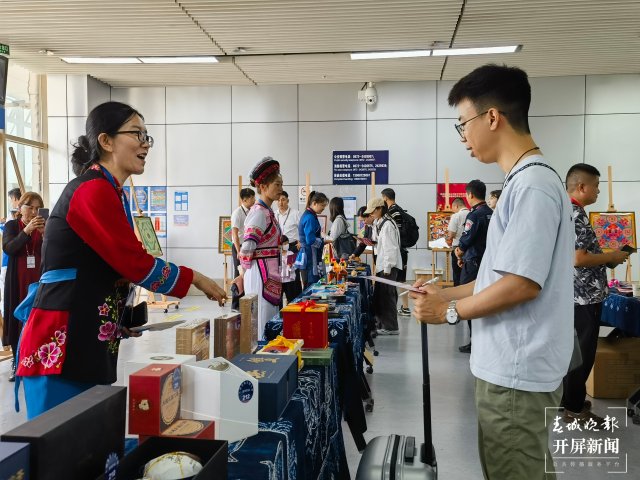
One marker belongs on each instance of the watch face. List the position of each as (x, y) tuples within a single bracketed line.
[(452, 315)]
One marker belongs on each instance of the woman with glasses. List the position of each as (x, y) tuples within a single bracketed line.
[(90, 257), (22, 242)]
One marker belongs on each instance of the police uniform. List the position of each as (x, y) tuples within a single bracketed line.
[(473, 241)]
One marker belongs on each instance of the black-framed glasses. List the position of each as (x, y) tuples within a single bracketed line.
[(143, 137), (460, 126)]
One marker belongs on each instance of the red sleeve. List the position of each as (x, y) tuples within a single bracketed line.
[(97, 215)]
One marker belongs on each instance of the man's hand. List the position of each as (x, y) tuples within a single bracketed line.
[(459, 253), (618, 256), (429, 307)]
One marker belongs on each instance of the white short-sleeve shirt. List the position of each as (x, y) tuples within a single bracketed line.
[(531, 234), (456, 224), (238, 218)]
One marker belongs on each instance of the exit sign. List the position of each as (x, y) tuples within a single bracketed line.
[(4, 49)]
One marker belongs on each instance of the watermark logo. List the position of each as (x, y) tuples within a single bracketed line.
[(587, 444)]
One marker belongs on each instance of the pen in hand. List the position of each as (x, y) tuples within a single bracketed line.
[(428, 282)]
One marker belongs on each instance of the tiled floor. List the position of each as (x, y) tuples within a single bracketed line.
[(397, 387)]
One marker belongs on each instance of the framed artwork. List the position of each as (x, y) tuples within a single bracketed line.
[(225, 241), (323, 223), (614, 229), (148, 235), (437, 224)]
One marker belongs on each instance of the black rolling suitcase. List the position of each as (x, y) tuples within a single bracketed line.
[(395, 456)]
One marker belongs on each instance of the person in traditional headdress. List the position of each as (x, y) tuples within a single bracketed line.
[(260, 250)]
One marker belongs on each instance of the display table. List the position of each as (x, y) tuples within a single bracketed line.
[(306, 442), (622, 312)]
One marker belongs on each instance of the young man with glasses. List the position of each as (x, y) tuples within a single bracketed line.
[(521, 303)]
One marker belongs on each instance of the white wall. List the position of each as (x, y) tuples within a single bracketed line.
[(207, 136)]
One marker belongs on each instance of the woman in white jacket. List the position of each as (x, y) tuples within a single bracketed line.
[(388, 265)]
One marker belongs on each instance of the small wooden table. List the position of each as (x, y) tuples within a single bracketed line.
[(447, 282)]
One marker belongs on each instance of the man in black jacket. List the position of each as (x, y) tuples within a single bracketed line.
[(474, 238)]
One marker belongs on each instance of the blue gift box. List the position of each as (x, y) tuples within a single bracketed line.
[(14, 460), (277, 380)]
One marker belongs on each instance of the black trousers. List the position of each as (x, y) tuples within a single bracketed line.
[(402, 274), (469, 273), (455, 269), (385, 299), (586, 321)]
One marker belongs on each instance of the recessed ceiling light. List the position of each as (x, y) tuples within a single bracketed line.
[(204, 59), (476, 51), (390, 54), (100, 59)]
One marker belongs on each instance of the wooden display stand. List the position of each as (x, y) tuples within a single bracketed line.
[(612, 209), (447, 282), (163, 303)]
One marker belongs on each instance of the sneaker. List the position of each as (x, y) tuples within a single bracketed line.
[(384, 331), (465, 348), (583, 417), (404, 312)]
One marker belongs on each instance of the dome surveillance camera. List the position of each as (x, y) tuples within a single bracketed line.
[(371, 95)]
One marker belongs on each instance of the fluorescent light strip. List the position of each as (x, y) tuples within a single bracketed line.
[(133, 60), (394, 54), (178, 59), (100, 59), (476, 51)]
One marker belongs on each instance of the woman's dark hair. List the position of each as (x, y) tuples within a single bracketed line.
[(336, 208), (361, 211), (495, 193), (317, 197), (384, 209), (284, 239), (105, 118)]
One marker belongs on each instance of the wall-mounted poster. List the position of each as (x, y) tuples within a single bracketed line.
[(323, 223), (614, 229), (158, 199), (456, 190), (160, 224), (224, 235), (437, 225), (148, 235), (181, 201)]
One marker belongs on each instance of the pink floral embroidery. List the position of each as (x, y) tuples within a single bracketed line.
[(104, 310), (28, 362), (49, 354), (107, 331), (166, 271), (60, 336)]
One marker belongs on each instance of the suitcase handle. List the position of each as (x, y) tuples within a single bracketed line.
[(409, 449)]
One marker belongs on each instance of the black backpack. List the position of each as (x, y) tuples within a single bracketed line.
[(345, 244), (410, 232)]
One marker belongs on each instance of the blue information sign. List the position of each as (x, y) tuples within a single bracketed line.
[(355, 167)]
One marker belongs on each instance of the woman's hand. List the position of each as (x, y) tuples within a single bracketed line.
[(36, 222), (211, 289), (128, 333)]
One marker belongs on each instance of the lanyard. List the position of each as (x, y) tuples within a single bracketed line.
[(285, 218), (119, 191)]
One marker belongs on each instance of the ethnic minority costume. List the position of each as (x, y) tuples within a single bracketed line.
[(311, 245), (70, 341), (260, 259)]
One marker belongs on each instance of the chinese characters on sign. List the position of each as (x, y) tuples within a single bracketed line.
[(355, 167), (587, 444)]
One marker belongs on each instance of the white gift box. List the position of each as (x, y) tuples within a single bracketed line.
[(215, 389)]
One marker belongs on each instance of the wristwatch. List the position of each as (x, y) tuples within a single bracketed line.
[(452, 313)]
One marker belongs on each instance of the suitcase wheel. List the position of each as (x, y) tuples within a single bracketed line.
[(369, 369), (368, 407)]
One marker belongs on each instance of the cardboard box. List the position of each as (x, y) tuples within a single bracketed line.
[(75, 439), (212, 454), (183, 428), (226, 339), (193, 338), (249, 323), (218, 390), (154, 398), (616, 371), (310, 323), (14, 461), (277, 380)]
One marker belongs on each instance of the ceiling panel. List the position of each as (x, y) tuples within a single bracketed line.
[(306, 41)]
